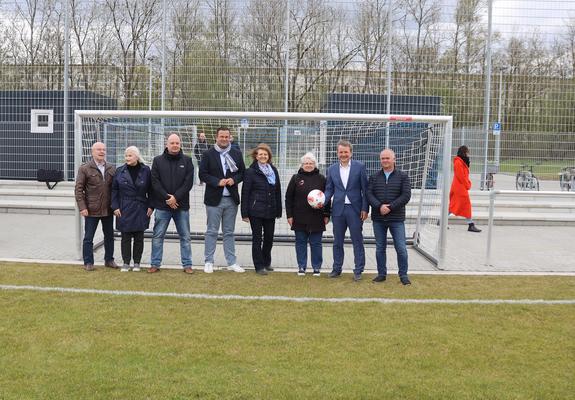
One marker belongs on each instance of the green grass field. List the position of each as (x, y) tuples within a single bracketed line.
[(543, 169), (100, 346)]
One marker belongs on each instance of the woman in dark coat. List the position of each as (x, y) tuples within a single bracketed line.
[(459, 201), (261, 205), (308, 223), (131, 191)]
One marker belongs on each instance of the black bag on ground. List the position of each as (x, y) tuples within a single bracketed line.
[(50, 175)]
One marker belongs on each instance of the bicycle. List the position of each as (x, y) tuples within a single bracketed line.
[(526, 179), (567, 179)]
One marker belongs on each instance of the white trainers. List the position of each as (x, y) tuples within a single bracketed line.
[(125, 268), (209, 268), (236, 268), (136, 268)]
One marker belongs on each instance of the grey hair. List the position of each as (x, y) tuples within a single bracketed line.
[(310, 157), (136, 151)]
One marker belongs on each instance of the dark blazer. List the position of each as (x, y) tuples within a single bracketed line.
[(305, 217), (211, 172), (172, 175), (92, 191), (395, 191), (259, 198), (132, 198), (356, 190)]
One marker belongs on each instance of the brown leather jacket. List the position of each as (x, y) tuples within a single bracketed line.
[(92, 191)]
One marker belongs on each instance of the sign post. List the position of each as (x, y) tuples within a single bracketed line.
[(497, 134)]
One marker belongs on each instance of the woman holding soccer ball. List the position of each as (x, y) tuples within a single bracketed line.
[(306, 213), (261, 205)]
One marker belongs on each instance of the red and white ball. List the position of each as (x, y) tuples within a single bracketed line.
[(316, 198)]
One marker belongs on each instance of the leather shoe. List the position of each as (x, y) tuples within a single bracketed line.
[(379, 278), (334, 274), (268, 268), (473, 228), (152, 270), (89, 267), (111, 264), (188, 270), (261, 271), (356, 277), (405, 280)]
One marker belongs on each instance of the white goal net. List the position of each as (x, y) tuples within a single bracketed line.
[(421, 143)]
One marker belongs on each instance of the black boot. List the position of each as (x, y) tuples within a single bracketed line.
[(472, 228)]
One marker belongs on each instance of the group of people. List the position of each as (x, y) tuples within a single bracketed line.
[(133, 191)]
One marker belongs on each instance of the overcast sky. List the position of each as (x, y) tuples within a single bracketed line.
[(516, 15)]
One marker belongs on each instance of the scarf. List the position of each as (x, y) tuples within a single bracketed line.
[(268, 172), (230, 163)]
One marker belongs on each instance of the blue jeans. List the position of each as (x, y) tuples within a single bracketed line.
[(161, 221), (350, 219), (301, 240), (225, 212), (397, 229), (90, 225)]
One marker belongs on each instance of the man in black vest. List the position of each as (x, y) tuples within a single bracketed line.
[(222, 169), (389, 190)]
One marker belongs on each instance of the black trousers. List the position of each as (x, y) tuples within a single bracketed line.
[(262, 249), (127, 246)]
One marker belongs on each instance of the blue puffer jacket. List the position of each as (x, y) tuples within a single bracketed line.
[(259, 198), (132, 198)]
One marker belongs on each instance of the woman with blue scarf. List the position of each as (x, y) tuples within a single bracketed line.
[(261, 205)]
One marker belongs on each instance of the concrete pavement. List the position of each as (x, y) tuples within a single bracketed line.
[(525, 249)]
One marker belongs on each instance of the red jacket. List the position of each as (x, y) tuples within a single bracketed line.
[(459, 202)]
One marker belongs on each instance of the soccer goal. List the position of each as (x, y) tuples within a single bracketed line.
[(422, 145)]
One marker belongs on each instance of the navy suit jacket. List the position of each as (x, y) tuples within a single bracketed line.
[(356, 190), (211, 172)]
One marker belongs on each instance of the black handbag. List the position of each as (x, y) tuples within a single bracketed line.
[(50, 175)]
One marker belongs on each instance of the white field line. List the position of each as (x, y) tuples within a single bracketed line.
[(285, 298)]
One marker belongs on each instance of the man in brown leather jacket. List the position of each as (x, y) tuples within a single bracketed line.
[(93, 195)]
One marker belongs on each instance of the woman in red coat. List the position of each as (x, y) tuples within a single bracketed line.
[(459, 202)]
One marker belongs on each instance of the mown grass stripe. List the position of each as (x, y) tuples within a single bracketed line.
[(204, 296)]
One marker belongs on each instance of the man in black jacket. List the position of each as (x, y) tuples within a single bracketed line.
[(389, 190), (222, 168), (172, 180)]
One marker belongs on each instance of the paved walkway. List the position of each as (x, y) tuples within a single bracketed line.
[(525, 249)]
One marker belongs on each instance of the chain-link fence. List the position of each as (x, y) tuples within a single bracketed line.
[(483, 62)]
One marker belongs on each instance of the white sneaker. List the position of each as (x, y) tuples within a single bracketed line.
[(136, 268), (236, 268), (209, 268), (125, 268)]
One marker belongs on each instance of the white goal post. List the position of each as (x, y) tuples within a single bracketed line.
[(422, 144)]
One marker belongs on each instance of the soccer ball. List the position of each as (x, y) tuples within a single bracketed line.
[(316, 198)]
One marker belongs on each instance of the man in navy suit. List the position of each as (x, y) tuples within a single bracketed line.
[(222, 169), (346, 187)]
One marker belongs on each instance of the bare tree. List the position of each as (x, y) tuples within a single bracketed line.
[(420, 42), (370, 32), (132, 22), (91, 42)]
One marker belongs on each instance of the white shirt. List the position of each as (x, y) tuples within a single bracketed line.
[(344, 174), (102, 168), (224, 168)]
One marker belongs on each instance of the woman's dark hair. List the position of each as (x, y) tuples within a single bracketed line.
[(462, 151)]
